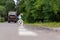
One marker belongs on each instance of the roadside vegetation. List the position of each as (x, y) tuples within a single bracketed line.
[(2, 19), (40, 10), (45, 24)]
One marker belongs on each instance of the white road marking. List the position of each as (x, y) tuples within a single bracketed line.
[(24, 32)]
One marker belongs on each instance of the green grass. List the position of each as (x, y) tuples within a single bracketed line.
[(46, 24)]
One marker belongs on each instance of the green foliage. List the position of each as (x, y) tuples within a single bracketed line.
[(40, 10), (2, 19), (2, 11), (10, 5), (2, 2)]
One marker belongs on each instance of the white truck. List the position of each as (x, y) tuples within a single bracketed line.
[(12, 16)]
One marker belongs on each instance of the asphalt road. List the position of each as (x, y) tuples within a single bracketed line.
[(10, 31)]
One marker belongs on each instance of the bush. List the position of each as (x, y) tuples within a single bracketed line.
[(2, 19)]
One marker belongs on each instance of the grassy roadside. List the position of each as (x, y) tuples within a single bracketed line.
[(2, 19), (46, 24)]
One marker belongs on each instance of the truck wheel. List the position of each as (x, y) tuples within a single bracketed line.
[(15, 21), (8, 21)]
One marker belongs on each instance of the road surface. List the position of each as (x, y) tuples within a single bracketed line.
[(11, 31)]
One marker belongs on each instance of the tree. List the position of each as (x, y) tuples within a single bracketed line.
[(2, 2), (40, 10), (2, 11), (10, 5)]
